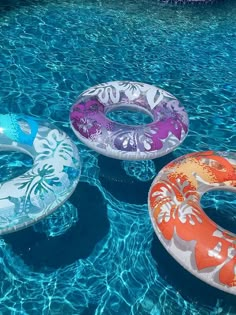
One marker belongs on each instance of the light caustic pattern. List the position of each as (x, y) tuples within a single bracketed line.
[(47, 60), (119, 276)]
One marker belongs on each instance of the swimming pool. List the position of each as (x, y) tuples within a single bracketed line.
[(98, 254)]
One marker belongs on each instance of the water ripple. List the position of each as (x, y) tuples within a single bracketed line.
[(50, 52)]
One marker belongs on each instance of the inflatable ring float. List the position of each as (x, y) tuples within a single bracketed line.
[(201, 246), (53, 177), (167, 130)]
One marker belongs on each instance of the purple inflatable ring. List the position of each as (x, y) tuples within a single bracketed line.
[(129, 142)]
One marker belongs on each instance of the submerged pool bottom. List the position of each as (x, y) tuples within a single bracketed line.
[(98, 254), (189, 1)]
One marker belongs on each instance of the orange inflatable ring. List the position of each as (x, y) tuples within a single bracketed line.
[(201, 246)]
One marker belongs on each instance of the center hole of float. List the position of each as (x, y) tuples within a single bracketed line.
[(220, 206), (13, 164), (129, 115)]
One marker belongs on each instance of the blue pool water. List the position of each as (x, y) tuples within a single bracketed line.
[(98, 253)]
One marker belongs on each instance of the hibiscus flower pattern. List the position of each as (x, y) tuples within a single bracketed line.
[(174, 204), (90, 124), (55, 145), (87, 118), (52, 178)]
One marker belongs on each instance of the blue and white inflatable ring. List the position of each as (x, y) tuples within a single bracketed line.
[(48, 183)]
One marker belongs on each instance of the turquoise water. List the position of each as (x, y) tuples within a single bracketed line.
[(98, 253)]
